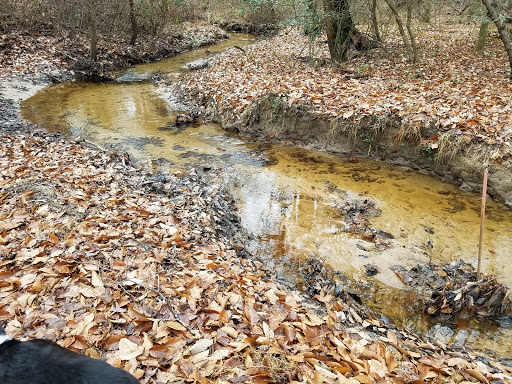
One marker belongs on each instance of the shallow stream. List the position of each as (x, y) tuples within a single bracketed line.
[(289, 197)]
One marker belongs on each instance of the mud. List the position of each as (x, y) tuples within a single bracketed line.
[(12, 92)]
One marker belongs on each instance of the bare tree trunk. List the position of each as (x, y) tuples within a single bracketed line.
[(498, 20), (482, 36), (375, 24), (133, 20), (339, 28), (400, 24), (411, 33), (94, 36)]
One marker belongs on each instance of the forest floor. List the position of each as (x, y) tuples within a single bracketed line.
[(451, 114), (65, 54), (451, 87), (140, 268)]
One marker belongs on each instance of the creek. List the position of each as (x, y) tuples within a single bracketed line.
[(289, 198)]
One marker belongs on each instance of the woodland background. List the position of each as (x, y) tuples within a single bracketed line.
[(142, 19), (101, 257)]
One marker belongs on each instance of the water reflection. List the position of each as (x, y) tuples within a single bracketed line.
[(290, 203)]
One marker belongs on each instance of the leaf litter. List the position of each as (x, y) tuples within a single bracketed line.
[(453, 289), (63, 53), (461, 94), (138, 267)]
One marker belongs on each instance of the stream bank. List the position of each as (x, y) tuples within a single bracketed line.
[(374, 105), (136, 267), (385, 139), (64, 55)]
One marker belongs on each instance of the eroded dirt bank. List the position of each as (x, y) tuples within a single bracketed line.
[(374, 105), (385, 139)]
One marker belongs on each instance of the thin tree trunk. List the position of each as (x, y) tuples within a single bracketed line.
[(482, 36), (133, 20), (375, 24), (94, 37), (152, 18), (502, 30), (411, 34), (400, 24), (312, 24), (428, 11)]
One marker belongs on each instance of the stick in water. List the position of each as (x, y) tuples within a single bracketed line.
[(482, 217)]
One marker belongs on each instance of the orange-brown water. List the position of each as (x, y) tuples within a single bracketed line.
[(290, 203)]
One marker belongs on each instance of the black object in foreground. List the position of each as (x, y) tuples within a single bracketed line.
[(45, 362)]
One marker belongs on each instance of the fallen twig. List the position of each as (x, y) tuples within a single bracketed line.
[(240, 48)]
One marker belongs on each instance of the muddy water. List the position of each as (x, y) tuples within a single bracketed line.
[(290, 203)]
